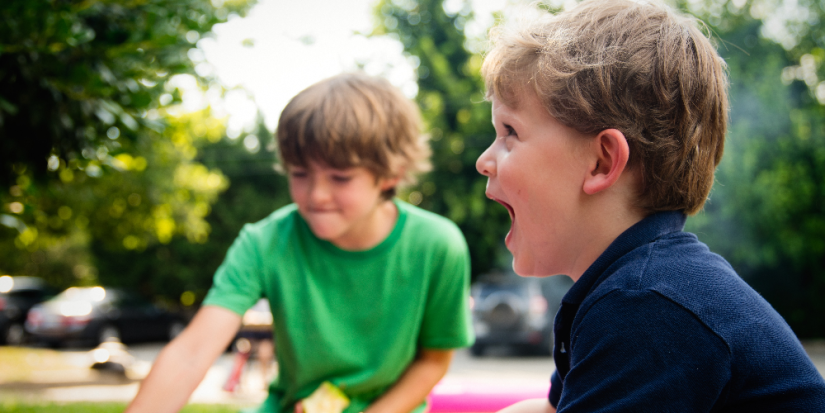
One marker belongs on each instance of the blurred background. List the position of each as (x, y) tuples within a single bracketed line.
[(136, 138)]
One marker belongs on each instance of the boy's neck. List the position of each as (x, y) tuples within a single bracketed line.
[(373, 230), (606, 216), (606, 229)]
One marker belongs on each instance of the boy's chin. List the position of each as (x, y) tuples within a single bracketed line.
[(523, 270), (324, 232), (529, 269)]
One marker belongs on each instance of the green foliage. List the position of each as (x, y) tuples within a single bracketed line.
[(794, 25), (451, 98), (167, 271), (92, 150), (73, 74), (766, 213)]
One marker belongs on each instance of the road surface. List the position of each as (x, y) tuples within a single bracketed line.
[(498, 367)]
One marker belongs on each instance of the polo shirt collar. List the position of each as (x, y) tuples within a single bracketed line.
[(641, 233)]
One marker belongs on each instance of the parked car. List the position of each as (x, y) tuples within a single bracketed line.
[(516, 312), (17, 295), (97, 314)]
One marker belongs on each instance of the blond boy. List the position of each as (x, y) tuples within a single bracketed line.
[(367, 292), (610, 121)]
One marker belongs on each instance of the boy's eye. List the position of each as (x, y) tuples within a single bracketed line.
[(341, 178), (510, 130), (297, 174)]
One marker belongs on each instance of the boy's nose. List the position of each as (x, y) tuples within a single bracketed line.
[(486, 164), (319, 191)]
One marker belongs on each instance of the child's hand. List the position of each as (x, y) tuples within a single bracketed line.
[(299, 407)]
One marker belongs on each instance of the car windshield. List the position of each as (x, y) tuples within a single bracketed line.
[(80, 301)]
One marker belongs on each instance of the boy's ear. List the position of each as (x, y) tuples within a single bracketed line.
[(610, 154), (391, 181), (387, 183)]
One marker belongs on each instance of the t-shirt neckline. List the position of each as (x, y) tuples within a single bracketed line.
[(380, 248)]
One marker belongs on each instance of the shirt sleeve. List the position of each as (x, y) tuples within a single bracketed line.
[(637, 351), (237, 283), (447, 320)]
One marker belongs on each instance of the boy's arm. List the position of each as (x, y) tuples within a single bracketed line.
[(530, 406), (415, 384), (183, 363)]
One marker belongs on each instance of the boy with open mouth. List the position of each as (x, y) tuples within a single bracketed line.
[(610, 120)]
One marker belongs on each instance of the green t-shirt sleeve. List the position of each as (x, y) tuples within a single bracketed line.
[(237, 283), (447, 321)]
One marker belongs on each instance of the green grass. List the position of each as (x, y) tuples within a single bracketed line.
[(11, 406)]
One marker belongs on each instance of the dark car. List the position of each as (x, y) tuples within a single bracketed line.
[(96, 314), (17, 295), (516, 312)]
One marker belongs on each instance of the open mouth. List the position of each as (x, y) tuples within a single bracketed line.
[(509, 208), (508, 239)]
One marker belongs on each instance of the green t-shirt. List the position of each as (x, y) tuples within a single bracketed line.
[(356, 318)]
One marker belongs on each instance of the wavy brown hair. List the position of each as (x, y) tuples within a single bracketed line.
[(636, 67), (354, 120)]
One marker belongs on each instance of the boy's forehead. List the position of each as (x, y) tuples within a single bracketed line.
[(318, 165), (518, 108), (321, 167), (501, 108)]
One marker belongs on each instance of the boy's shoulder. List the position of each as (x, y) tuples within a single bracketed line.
[(654, 253), (679, 268), (656, 290), (422, 216), (281, 221), (428, 224), (667, 261)]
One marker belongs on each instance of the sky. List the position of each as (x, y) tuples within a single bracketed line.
[(289, 45), (283, 46)]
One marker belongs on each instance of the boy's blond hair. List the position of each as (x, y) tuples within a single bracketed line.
[(354, 120), (636, 67)]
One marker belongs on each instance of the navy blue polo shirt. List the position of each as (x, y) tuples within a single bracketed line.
[(659, 323)]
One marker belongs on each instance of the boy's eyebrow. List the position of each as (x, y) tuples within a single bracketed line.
[(341, 171)]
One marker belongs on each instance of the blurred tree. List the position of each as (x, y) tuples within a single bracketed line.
[(131, 207), (182, 271), (451, 98), (76, 76), (766, 213), (795, 25), (91, 150)]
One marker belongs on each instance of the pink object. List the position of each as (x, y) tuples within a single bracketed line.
[(453, 395), (237, 369)]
